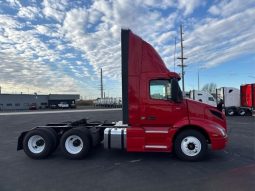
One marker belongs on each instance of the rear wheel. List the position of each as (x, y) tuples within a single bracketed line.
[(230, 112), (54, 135), (75, 143), (38, 144), (190, 145), (248, 112), (242, 112)]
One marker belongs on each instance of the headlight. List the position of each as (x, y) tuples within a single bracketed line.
[(223, 131)]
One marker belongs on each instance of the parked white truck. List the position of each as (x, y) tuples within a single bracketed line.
[(203, 97), (63, 105)]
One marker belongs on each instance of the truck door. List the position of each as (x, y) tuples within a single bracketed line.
[(159, 113)]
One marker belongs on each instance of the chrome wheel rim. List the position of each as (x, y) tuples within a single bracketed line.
[(231, 112), (242, 112), (74, 144), (36, 144), (191, 146)]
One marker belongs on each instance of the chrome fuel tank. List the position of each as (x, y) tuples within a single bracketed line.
[(115, 138)]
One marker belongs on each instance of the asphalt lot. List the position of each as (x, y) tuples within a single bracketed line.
[(231, 169)]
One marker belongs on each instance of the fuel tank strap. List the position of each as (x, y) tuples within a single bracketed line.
[(122, 139), (109, 138)]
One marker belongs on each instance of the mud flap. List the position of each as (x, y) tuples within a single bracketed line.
[(20, 140)]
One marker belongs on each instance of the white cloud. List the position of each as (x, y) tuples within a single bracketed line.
[(33, 75), (66, 54), (14, 3), (214, 10), (7, 22), (102, 46), (158, 3), (230, 7), (188, 6), (29, 12), (54, 9), (76, 22), (165, 37), (42, 29), (27, 61), (221, 40)]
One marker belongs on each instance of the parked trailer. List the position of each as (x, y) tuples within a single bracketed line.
[(156, 118), (237, 102), (203, 97), (108, 102)]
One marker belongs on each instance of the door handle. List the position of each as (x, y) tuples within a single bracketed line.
[(151, 118)]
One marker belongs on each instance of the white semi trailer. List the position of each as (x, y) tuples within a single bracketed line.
[(108, 102), (237, 101)]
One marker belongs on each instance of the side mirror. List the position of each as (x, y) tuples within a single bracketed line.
[(176, 91)]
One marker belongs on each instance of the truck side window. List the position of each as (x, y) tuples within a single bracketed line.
[(160, 89), (210, 99)]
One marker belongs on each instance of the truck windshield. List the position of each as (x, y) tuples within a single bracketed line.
[(160, 89)]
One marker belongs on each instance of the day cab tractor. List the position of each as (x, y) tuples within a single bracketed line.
[(156, 117)]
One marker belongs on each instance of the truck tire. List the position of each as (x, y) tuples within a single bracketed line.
[(54, 135), (190, 145), (38, 144), (101, 135), (75, 143), (248, 112), (230, 112), (242, 112)]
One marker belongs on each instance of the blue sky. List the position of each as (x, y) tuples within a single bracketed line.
[(59, 46)]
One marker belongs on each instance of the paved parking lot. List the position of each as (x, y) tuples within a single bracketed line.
[(231, 169)]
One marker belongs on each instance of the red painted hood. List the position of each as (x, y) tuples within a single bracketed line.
[(198, 110)]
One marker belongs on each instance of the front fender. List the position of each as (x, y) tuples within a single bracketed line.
[(176, 127), (209, 126), (214, 131)]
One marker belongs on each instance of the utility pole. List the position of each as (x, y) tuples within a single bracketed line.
[(0, 89), (182, 65), (174, 52), (101, 87)]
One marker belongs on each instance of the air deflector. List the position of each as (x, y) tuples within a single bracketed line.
[(124, 69)]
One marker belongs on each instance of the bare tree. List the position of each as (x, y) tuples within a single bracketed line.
[(210, 87)]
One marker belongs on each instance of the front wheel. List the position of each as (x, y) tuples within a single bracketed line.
[(190, 145)]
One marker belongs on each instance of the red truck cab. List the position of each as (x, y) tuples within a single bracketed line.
[(158, 116)]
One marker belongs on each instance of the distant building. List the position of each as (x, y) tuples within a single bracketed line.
[(33, 101)]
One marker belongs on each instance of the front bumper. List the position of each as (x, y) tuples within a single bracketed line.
[(219, 143)]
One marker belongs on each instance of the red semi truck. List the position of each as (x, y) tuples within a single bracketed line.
[(156, 118), (237, 102)]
